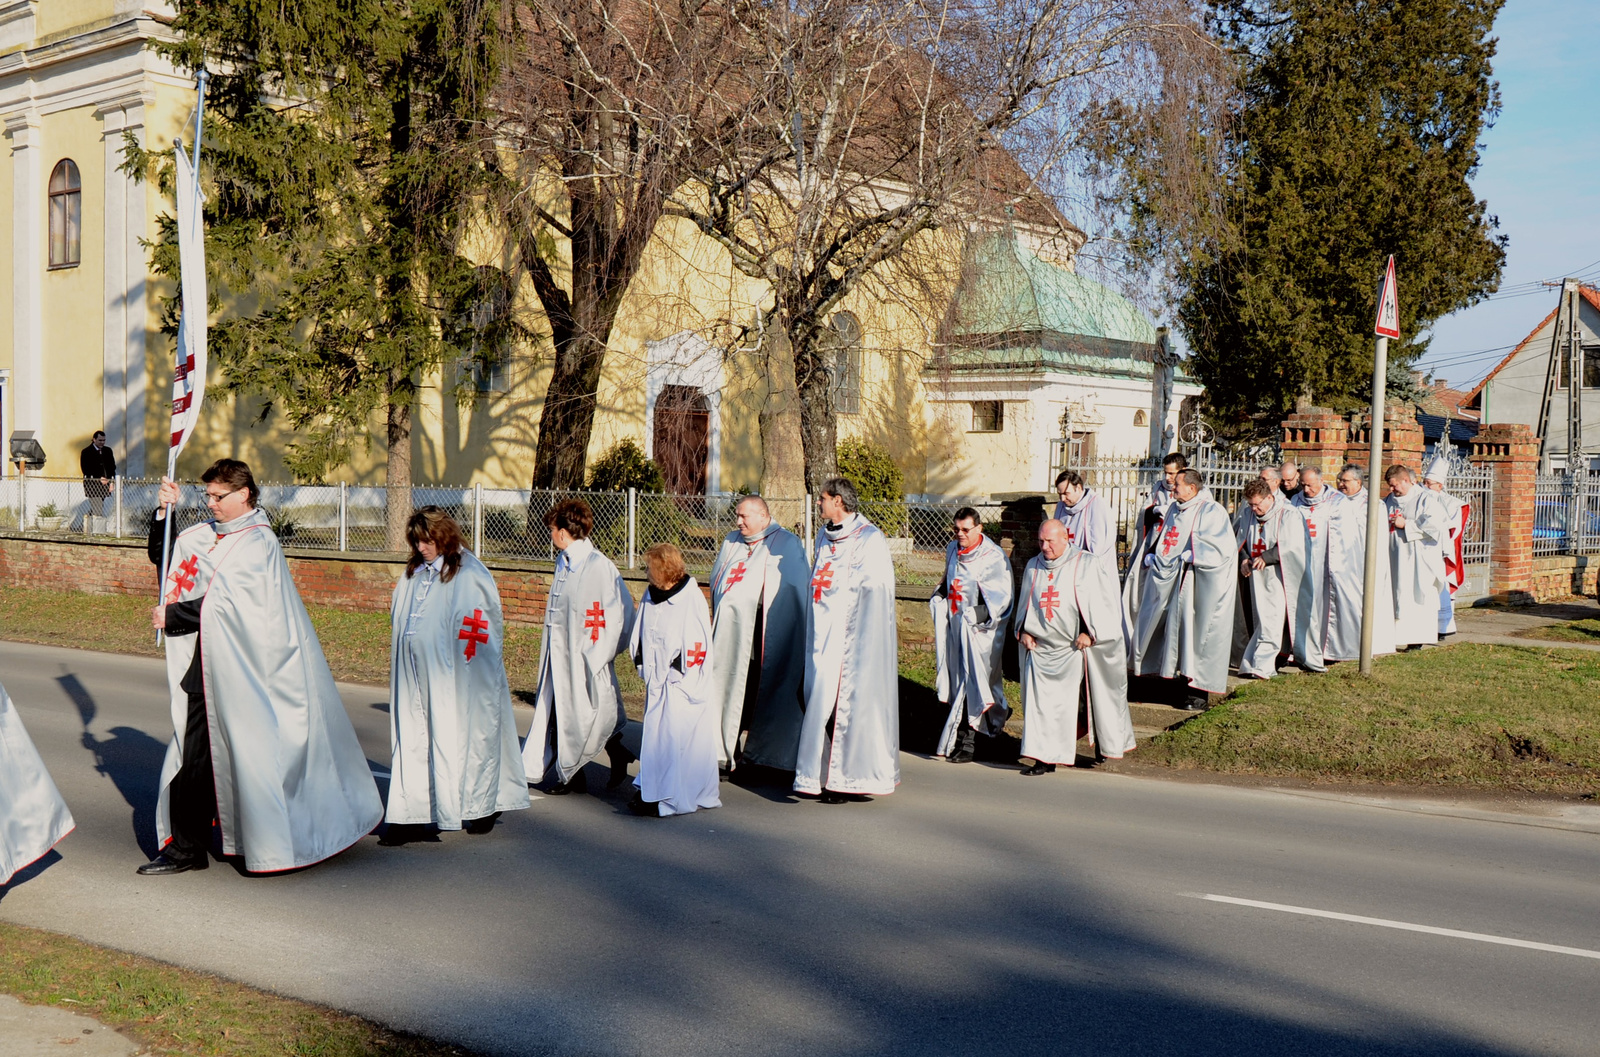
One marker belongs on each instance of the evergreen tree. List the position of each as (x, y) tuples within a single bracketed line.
[(342, 166), (1357, 135)]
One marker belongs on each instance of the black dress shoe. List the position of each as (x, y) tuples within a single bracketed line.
[(962, 755), (1039, 768), (620, 757), (644, 808), (399, 833), (830, 797), (161, 866), (479, 825), (1196, 703), (578, 783)]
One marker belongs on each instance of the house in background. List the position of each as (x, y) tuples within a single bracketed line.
[(1036, 353), (1448, 428), (1514, 390)]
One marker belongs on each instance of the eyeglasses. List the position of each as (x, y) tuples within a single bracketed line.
[(217, 497)]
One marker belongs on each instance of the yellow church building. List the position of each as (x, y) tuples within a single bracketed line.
[(1030, 359)]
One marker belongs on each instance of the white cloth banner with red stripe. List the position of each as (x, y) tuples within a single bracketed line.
[(189, 378)]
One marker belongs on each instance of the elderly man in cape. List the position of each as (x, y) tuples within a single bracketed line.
[(971, 610), (850, 740), (1185, 621), (454, 758), (577, 711), (1346, 579), (759, 588), (261, 741), (1087, 519), (33, 817), (1308, 611), (1146, 531), (1416, 558), (1457, 512), (1069, 626), (1273, 546)]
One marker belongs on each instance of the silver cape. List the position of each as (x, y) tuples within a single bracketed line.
[(1190, 585), (33, 817), (971, 680), (853, 672), (452, 733), (672, 645), (760, 584)]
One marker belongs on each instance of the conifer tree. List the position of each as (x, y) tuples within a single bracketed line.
[(341, 164), (1356, 137)]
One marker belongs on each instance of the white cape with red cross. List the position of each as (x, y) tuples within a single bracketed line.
[(671, 644), (587, 620), (454, 755)]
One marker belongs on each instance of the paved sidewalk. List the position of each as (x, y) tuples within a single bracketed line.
[(1507, 626), (32, 1031)]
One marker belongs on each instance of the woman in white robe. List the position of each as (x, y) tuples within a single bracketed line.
[(33, 817), (671, 642), (454, 758)]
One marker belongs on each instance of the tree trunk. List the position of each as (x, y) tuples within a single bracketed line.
[(567, 421), (818, 427), (397, 500), (783, 465)]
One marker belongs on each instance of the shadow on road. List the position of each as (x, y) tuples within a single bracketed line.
[(129, 757), (29, 872)]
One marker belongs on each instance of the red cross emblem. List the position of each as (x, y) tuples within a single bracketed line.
[(955, 596), (1071, 536), (1169, 540), (822, 581), (1312, 525), (183, 577), (697, 655), (594, 620), (735, 575), (1258, 548), (1050, 601), (474, 632)]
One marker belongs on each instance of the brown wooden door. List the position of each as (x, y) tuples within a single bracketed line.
[(682, 438)]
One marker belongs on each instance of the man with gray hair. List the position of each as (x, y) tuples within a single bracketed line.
[(1347, 564), (1273, 478), (758, 636), (850, 739), (1416, 558)]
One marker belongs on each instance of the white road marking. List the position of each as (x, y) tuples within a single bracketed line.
[(1406, 926)]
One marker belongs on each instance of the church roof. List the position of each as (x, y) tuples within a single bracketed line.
[(1015, 310)]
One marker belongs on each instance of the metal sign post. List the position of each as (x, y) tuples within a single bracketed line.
[(1386, 326)]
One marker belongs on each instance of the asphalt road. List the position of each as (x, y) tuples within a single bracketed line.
[(974, 912)]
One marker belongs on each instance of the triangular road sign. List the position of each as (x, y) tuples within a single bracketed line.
[(1388, 322)]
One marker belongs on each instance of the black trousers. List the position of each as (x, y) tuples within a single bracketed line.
[(193, 794)]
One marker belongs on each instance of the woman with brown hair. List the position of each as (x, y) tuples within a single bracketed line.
[(578, 711), (452, 734), (670, 643)]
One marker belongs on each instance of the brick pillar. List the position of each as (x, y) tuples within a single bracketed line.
[(1511, 452), (1402, 442), (1317, 437)]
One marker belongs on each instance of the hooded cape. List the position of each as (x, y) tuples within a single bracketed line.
[(1270, 596), (1186, 613), (586, 624), (293, 784), (33, 817), (850, 740), (759, 603), (1416, 564), (453, 737), (672, 645), (1060, 598), (968, 646)]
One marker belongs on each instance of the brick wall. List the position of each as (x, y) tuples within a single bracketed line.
[(1561, 577)]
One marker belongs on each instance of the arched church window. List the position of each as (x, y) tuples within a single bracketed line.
[(1140, 419), (66, 215), (843, 347), (485, 328)]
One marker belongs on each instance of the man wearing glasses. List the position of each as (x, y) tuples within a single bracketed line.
[(261, 743)]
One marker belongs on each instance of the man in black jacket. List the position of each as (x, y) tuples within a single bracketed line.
[(99, 468)]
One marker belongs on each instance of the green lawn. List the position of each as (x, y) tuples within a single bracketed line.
[(1574, 631), (1473, 716), (177, 1012)]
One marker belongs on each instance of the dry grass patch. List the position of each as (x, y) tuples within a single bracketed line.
[(1485, 717), (1574, 631), (174, 1011)]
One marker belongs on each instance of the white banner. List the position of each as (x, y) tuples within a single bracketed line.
[(189, 378)]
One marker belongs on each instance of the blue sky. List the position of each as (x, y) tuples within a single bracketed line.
[(1540, 175)]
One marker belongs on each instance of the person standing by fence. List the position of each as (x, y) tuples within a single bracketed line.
[(1457, 512), (1309, 609), (971, 612), (1146, 530), (99, 467), (1416, 558)]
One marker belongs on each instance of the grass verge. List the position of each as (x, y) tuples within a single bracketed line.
[(1573, 631), (1507, 718), (174, 1011)]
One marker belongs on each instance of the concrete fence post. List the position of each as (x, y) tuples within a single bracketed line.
[(633, 527), (477, 519), (1511, 453), (118, 507), (344, 516)]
